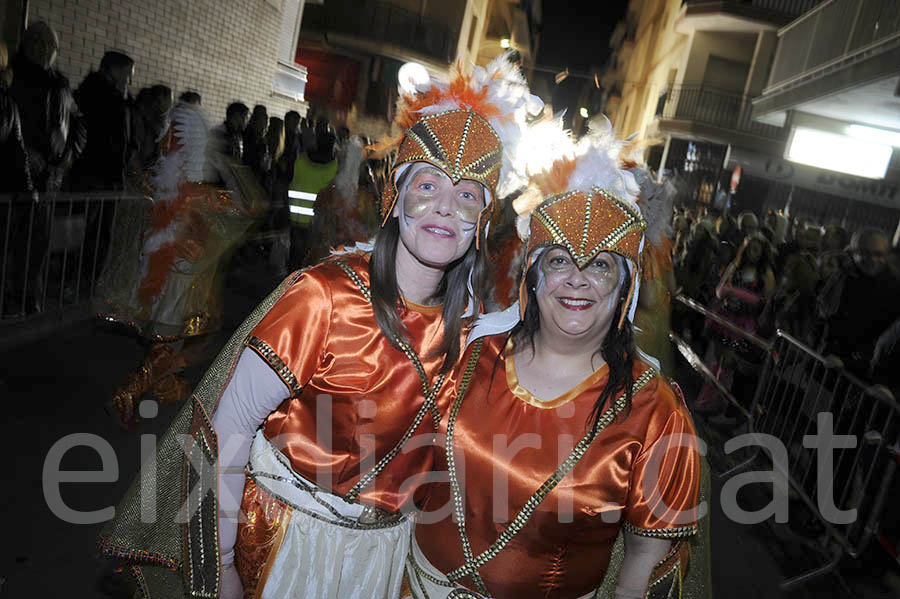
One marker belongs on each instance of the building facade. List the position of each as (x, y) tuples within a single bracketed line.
[(692, 80), (353, 50), (226, 50)]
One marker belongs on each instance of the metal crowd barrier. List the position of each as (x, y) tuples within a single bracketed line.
[(52, 251), (696, 361), (797, 387)]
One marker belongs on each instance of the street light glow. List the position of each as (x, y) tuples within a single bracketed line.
[(504, 43), (411, 75), (874, 134), (583, 112), (840, 153)]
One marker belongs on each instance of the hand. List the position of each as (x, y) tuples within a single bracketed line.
[(36, 162), (231, 583)]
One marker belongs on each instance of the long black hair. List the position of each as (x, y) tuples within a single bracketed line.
[(617, 348), (452, 290)]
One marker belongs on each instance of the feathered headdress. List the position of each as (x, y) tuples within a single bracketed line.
[(586, 203), (468, 127), (655, 201)]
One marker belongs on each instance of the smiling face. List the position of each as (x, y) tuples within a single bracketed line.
[(438, 219), (578, 304)]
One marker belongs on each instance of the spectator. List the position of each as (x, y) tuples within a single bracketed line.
[(313, 171), (747, 224), (293, 145), (106, 105), (12, 147), (744, 289), (149, 122), (834, 237), (727, 230), (53, 137), (256, 154), (279, 220), (860, 303), (51, 131), (275, 140), (794, 305), (230, 132), (17, 179), (831, 263), (190, 97), (344, 210)]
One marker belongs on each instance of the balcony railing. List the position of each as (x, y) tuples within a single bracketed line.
[(790, 8), (836, 32), (715, 107), (383, 22)]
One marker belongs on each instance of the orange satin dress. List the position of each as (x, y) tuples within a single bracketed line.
[(503, 433), (353, 394)]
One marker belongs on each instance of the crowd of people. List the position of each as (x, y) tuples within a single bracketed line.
[(99, 138), (828, 288)]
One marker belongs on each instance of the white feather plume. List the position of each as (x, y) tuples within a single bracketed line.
[(655, 204), (598, 164), (191, 128)]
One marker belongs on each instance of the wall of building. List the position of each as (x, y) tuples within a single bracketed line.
[(224, 49), (472, 31), (728, 45), (658, 49)]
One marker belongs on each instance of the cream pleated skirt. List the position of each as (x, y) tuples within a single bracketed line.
[(326, 553)]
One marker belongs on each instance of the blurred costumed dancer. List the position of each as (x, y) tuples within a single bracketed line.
[(345, 211), (165, 282), (652, 320), (292, 453)]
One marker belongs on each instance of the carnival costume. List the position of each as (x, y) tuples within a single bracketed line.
[(164, 281), (652, 320), (569, 490), (345, 213), (323, 516)]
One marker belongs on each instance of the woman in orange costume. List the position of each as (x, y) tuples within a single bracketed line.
[(342, 366), (561, 433)]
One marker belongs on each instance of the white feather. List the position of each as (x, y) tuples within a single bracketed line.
[(347, 179), (188, 163), (598, 164), (656, 205)]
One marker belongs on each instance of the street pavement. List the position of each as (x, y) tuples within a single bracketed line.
[(59, 386)]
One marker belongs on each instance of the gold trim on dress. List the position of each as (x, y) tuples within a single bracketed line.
[(679, 532), (512, 381), (274, 360), (471, 565), (429, 390)]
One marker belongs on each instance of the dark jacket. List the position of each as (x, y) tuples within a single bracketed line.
[(108, 119), (49, 117)]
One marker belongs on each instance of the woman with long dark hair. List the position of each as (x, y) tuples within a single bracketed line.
[(562, 434), (295, 452)]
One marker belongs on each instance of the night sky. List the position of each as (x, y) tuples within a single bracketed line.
[(575, 34)]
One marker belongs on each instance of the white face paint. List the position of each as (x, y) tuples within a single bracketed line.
[(438, 219)]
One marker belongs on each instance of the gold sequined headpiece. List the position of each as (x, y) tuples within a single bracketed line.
[(586, 205), (465, 127)]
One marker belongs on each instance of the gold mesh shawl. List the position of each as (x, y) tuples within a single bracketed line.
[(174, 556)]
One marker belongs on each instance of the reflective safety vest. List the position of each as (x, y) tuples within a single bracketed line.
[(309, 178)]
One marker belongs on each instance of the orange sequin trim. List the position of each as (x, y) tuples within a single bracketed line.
[(259, 538)]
